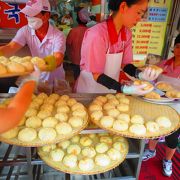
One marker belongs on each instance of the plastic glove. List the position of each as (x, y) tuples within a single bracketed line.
[(51, 62), (34, 76), (135, 89), (148, 74)]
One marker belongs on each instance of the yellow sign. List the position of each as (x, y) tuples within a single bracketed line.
[(148, 36)]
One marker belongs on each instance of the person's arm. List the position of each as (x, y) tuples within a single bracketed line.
[(11, 116), (10, 49)]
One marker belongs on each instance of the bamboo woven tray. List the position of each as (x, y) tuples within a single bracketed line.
[(45, 156), (37, 142), (149, 111)]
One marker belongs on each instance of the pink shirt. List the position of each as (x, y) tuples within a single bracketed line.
[(170, 69), (74, 42), (54, 41), (96, 44)]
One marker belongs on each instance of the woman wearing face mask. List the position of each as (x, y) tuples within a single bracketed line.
[(107, 47), (42, 38)]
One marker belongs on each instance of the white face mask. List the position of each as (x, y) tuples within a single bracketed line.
[(34, 22)]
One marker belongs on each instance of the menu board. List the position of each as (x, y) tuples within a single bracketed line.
[(149, 34)]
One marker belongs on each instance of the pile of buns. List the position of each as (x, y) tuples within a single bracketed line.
[(156, 68), (111, 112), (17, 64), (171, 92), (86, 153), (49, 118)]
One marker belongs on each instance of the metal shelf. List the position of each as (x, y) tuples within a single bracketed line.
[(23, 162)]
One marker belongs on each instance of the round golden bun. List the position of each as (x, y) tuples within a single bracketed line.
[(47, 134), (86, 164), (152, 95), (14, 67), (11, 133), (27, 134), (3, 69), (164, 86)]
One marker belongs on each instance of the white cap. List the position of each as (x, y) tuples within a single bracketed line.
[(34, 7), (84, 15)]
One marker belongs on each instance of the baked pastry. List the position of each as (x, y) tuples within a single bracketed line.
[(86, 164), (138, 129), (27, 134), (12, 133), (113, 101), (95, 107), (152, 126), (28, 66), (57, 155), (39, 62), (89, 152), (107, 121), (102, 160), (62, 117), (118, 139), (31, 112), (4, 60), (124, 100), (47, 107), (34, 105), (75, 139), (163, 122), (108, 106), (54, 96), (124, 117), (137, 119), (64, 97), (74, 149), (92, 136), (103, 99), (114, 154), (77, 106), (106, 139), (71, 102), (152, 95), (85, 141), (120, 146), (44, 114), (79, 112), (173, 94), (63, 128), (97, 102), (42, 96), (75, 121), (48, 148), (47, 134), (3, 69), (101, 147), (120, 95), (120, 125), (97, 115), (164, 86), (123, 107), (63, 109), (49, 122), (64, 144), (14, 67), (113, 113), (60, 103), (110, 96), (70, 160), (38, 101), (33, 122)]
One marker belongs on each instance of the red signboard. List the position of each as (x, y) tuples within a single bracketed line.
[(10, 16)]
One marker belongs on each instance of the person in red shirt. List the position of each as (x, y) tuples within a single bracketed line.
[(74, 41), (171, 74)]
